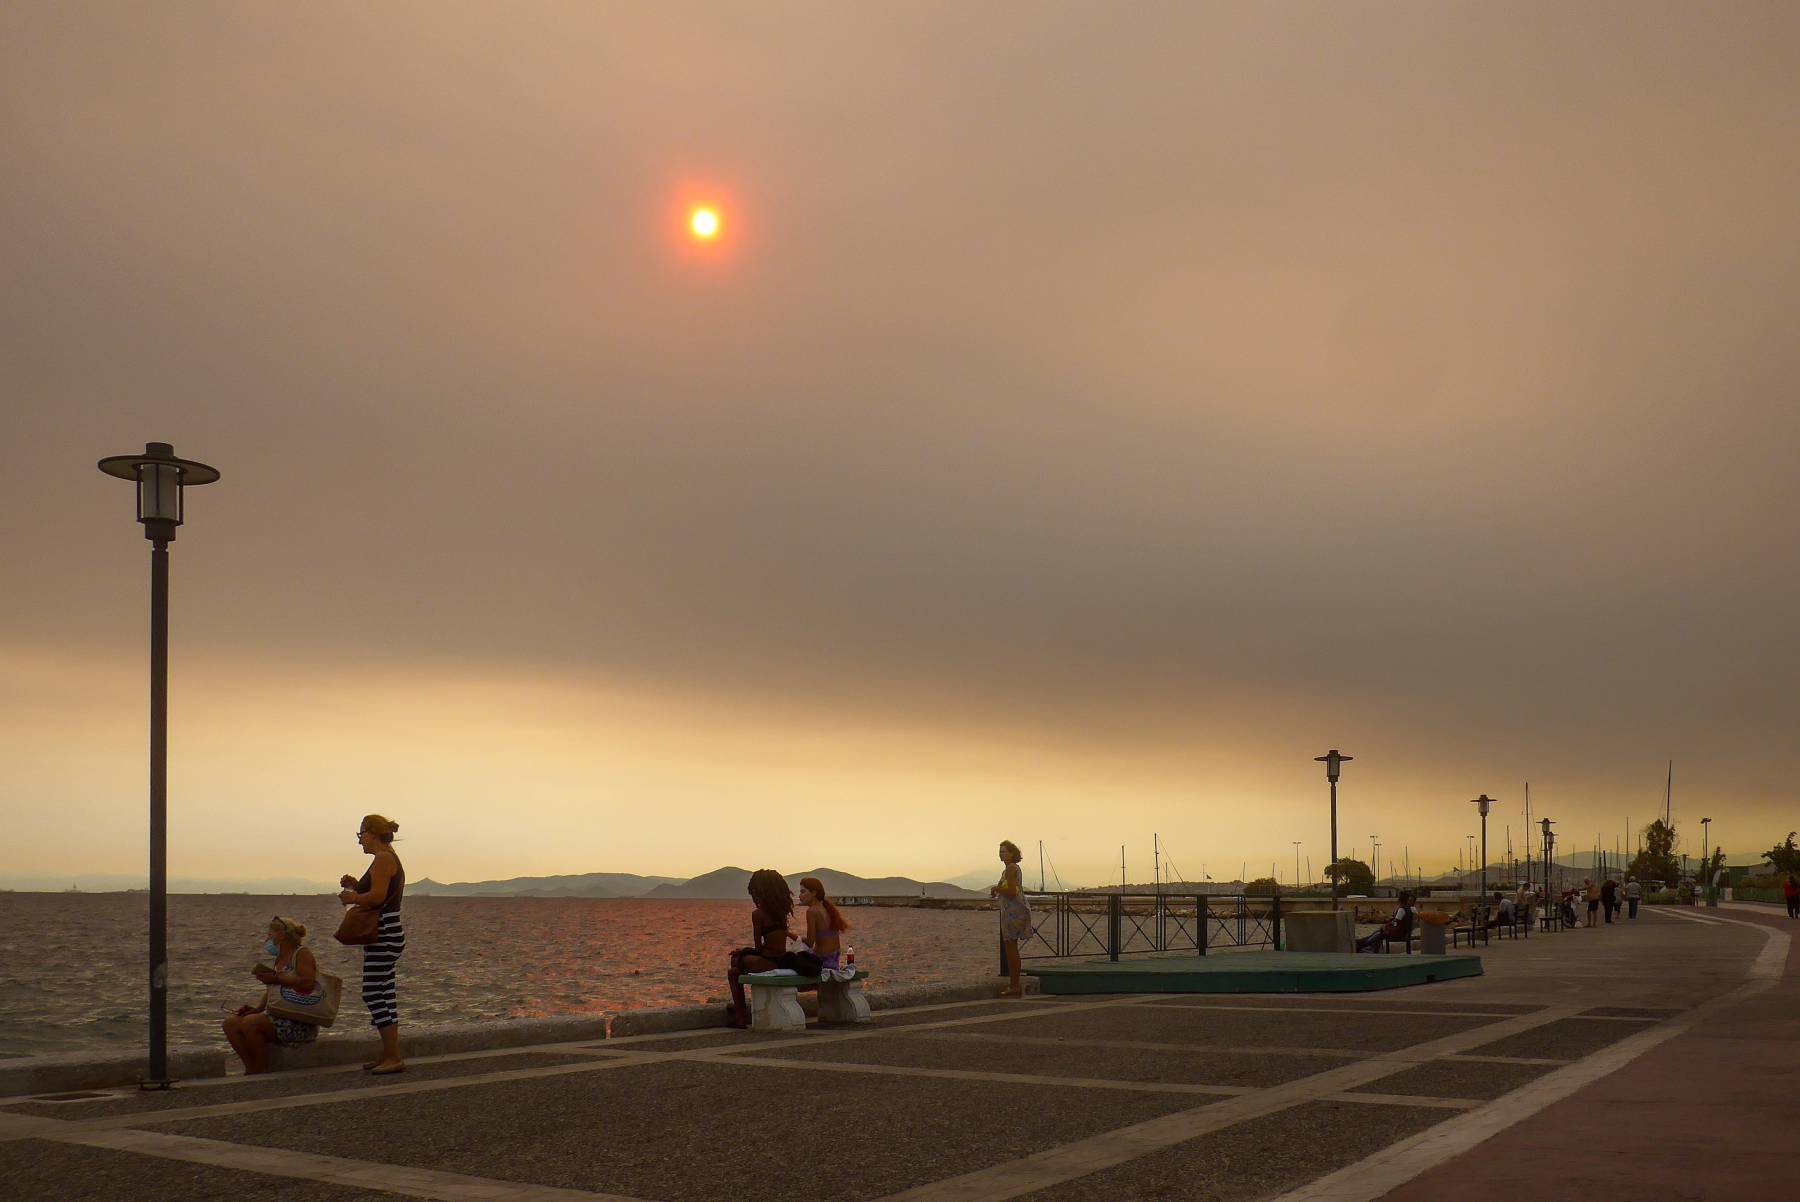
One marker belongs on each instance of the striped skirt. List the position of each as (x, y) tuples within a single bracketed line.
[(379, 959)]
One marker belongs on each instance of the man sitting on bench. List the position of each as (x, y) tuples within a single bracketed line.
[(1398, 927)]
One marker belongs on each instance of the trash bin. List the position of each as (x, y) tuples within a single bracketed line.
[(1433, 939)]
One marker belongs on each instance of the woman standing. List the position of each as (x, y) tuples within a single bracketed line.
[(249, 1028), (1015, 914), (380, 888)]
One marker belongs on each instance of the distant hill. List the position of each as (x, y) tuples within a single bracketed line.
[(584, 884), (729, 883)]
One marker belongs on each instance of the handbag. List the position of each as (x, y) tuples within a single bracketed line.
[(319, 1007), (361, 925)]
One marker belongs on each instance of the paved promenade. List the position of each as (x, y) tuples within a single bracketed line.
[(1569, 1066)]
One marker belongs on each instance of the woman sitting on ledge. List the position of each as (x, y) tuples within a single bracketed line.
[(768, 932), (249, 1029)]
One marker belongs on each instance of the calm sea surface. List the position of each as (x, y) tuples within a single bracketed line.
[(73, 966)]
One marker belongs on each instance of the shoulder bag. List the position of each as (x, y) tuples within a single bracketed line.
[(360, 926), (319, 1007)]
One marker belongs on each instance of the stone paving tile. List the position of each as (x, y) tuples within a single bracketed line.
[(1224, 1028), (35, 1170), (1565, 1039), (1057, 1059), (1628, 1012), (1458, 1079), (682, 1131), (1254, 1159), (907, 1018), (278, 1085), (1361, 1001)]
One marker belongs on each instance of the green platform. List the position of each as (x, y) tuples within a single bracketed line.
[(1255, 972)]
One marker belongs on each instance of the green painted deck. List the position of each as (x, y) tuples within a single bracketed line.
[(1255, 972)]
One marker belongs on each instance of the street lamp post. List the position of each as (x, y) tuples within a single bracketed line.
[(161, 479), (1297, 843), (1712, 898), (1549, 842), (1374, 857), (1332, 761), (1482, 804)]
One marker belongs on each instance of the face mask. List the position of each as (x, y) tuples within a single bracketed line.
[(270, 946)]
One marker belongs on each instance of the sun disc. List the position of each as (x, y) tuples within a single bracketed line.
[(704, 223)]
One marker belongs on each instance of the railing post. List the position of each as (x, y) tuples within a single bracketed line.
[(1205, 913), (1115, 913), (1275, 910)]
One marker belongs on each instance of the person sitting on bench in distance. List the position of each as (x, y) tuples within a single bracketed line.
[(1500, 914), (1397, 927), (769, 935), (824, 924)]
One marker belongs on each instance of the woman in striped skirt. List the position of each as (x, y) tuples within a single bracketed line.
[(381, 887)]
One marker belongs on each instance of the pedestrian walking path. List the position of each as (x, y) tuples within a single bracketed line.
[(1215, 1097)]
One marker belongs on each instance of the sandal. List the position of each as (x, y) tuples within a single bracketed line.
[(382, 1070)]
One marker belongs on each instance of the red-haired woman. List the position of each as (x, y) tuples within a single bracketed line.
[(824, 924)]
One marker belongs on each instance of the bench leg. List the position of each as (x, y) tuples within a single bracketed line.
[(774, 1009), (842, 1002)]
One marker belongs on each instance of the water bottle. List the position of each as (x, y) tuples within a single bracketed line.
[(850, 956)]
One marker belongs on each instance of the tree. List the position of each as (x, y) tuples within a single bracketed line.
[(1350, 876), (1658, 861), (1263, 886), (1785, 856)]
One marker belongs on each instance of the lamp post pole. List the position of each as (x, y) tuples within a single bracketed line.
[(1332, 761), (1483, 804), (1706, 861), (1374, 857), (1297, 865), (1548, 839), (160, 479)]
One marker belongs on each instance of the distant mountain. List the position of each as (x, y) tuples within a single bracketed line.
[(583, 884), (120, 882), (729, 883)]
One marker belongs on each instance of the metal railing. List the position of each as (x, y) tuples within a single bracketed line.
[(1071, 925)]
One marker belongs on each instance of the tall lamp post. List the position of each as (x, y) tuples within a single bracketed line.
[(1706, 861), (1482, 804), (1332, 761), (1549, 839), (1297, 865), (161, 479), (1374, 857)]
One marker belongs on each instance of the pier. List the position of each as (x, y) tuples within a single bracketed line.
[(1497, 1086)]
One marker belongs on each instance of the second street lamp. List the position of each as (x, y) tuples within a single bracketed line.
[(161, 479), (1332, 761), (1483, 804)]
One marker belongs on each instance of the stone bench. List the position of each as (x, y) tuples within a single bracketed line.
[(774, 1007)]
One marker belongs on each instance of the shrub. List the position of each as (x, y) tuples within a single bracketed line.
[(1668, 897)]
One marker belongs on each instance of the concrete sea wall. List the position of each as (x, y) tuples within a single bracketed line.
[(352, 1041)]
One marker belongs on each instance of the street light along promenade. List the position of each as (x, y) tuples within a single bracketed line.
[(161, 479)]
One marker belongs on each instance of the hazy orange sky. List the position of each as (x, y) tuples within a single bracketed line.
[(1088, 415)]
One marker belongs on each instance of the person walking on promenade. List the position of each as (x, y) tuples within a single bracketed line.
[(768, 935), (249, 1029), (1015, 914), (1790, 889), (1609, 898), (1634, 893), (1592, 895), (381, 887)]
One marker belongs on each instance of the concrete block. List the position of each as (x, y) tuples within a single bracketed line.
[(1319, 931), (843, 1002), (774, 1009), (87, 1070)]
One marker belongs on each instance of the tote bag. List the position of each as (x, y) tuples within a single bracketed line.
[(319, 1007)]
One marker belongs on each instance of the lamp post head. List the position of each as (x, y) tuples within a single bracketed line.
[(1331, 759), (1547, 824), (1482, 804), (161, 478)]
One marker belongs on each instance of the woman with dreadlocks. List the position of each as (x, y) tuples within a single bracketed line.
[(768, 932)]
